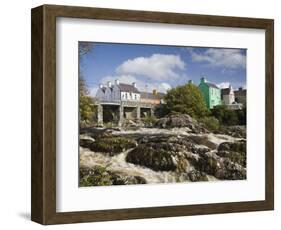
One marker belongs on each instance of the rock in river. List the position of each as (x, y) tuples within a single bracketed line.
[(164, 153), (100, 176), (181, 120), (112, 145)]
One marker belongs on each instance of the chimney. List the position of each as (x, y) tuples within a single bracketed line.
[(109, 84), (240, 88), (203, 80), (101, 86), (134, 84), (154, 92), (116, 82)]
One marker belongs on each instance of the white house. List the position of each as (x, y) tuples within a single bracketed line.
[(101, 92), (227, 96), (118, 92)]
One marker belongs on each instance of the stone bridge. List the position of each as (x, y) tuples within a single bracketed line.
[(117, 111)]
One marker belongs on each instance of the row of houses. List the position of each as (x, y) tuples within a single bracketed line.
[(214, 95), (127, 93)]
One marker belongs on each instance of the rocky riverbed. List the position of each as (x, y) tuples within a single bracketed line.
[(164, 153)]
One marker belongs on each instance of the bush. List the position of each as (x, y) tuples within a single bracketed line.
[(149, 120), (229, 117), (211, 123)]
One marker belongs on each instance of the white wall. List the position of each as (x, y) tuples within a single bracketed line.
[(15, 113)]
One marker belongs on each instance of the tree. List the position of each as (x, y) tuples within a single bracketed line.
[(85, 47), (186, 99), (87, 106)]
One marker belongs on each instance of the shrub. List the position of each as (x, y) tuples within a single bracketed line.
[(149, 120), (225, 116), (211, 123)]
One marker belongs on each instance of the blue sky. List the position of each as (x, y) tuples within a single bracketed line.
[(162, 67)]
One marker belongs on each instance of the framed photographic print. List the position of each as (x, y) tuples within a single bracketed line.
[(141, 114)]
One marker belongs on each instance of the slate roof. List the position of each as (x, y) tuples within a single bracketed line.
[(225, 91), (128, 88), (212, 85), (103, 89), (242, 92), (146, 95)]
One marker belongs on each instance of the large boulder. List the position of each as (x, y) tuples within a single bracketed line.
[(220, 167), (100, 176), (238, 146), (236, 131), (149, 155), (181, 120), (165, 153), (236, 152), (111, 145)]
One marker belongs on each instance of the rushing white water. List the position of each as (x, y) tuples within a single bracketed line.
[(118, 163)]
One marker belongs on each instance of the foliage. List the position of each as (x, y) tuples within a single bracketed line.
[(161, 111), (113, 145), (149, 120), (229, 117), (87, 106), (87, 109), (211, 123), (186, 99), (242, 116), (85, 47)]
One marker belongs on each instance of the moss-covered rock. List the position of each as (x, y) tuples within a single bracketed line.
[(100, 176), (239, 146), (196, 175), (181, 120), (112, 145), (156, 159), (236, 152), (97, 176), (220, 167)]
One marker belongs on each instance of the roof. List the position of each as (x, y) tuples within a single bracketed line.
[(225, 91), (241, 92), (103, 89), (212, 85), (152, 96), (128, 88)]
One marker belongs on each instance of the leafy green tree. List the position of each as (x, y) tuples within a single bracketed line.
[(87, 106), (186, 99)]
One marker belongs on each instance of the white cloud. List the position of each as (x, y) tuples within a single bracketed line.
[(224, 85), (165, 86), (141, 84), (228, 58), (159, 67)]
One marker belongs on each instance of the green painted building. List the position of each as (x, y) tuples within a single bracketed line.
[(210, 92)]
